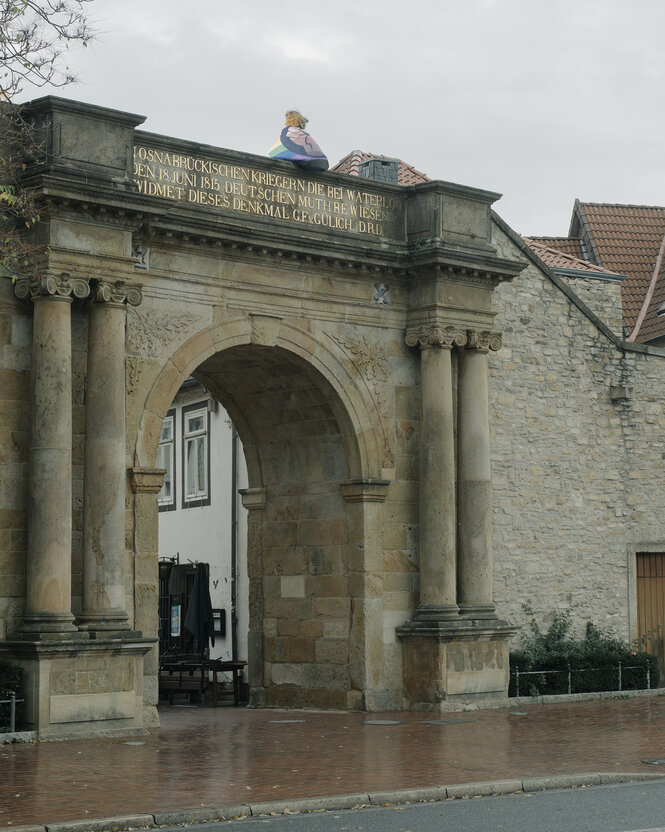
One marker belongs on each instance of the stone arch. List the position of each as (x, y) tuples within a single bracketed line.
[(315, 606), (352, 405)]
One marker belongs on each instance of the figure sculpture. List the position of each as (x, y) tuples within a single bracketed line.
[(297, 146)]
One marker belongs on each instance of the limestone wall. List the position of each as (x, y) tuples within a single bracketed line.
[(15, 340), (577, 478)]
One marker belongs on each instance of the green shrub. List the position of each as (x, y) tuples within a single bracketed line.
[(593, 661), (10, 680)]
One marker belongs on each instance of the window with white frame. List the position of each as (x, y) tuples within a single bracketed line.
[(196, 455), (166, 460)]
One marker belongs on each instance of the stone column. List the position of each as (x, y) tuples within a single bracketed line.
[(48, 594), (438, 531), (104, 483), (474, 478)]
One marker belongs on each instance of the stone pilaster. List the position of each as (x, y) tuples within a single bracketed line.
[(48, 596), (104, 484), (438, 531), (254, 500), (474, 478), (364, 499)]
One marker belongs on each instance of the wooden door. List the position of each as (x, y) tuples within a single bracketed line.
[(651, 605)]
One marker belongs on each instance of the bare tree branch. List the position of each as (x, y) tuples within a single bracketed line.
[(35, 36)]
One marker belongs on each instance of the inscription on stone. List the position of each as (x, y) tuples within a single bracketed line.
[(240, 189)]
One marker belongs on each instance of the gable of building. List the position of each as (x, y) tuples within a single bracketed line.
[(627, 239)]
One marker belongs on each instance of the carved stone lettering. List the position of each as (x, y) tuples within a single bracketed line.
[(242, 190)]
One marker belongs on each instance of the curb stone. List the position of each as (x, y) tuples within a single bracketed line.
[(408, 795), (102, 824), (183, 816), (310, 804), (345, 801), (538, 784), (485, 789)]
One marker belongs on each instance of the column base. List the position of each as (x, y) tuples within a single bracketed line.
[(478, 611), (436, 612), (36, 624), (81, 688), (454, 661), (110, 621)]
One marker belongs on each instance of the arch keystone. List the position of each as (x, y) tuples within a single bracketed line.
[(265, 329)]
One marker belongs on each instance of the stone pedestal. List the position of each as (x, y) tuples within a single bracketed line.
[(81, 688), (455, 662)]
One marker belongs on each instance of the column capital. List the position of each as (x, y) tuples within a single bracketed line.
[(146, 480), (433, 335), (62, 286), (253, 499), (365, 490), (483, 340), (116, 292)]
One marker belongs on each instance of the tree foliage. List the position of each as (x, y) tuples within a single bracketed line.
[(35, 36)]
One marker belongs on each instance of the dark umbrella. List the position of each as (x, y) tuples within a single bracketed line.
[(199, 620)]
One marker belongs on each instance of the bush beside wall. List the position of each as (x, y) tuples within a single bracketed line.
[(11, 676), (593, 660)]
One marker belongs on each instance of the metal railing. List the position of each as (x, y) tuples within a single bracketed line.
[(12, 710), (620, 668)]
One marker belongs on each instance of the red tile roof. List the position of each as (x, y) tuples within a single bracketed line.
[(650, 324), (406, 174), (557, 259), (569, 245), (626, 239)]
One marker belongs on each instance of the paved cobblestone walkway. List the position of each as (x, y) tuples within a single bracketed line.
[(215, 757)]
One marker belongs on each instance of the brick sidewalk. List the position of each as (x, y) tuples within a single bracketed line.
[(210, 757)]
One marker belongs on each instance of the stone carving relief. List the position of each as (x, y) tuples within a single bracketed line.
[(149, 332), (141, 253), (132, 374), (370, 361)]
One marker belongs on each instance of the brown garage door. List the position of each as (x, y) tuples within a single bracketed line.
[(651, 604)]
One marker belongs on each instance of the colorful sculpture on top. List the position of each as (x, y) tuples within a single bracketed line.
[(296, 145)]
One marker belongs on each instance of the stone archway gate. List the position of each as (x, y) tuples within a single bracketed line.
[(163, 258)]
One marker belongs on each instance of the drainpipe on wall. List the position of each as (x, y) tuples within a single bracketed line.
[(234, 539)]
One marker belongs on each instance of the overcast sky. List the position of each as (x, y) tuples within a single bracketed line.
[(541, 101)]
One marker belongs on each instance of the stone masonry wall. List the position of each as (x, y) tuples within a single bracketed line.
[(603, 297), (15, 340), (577, 478)]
